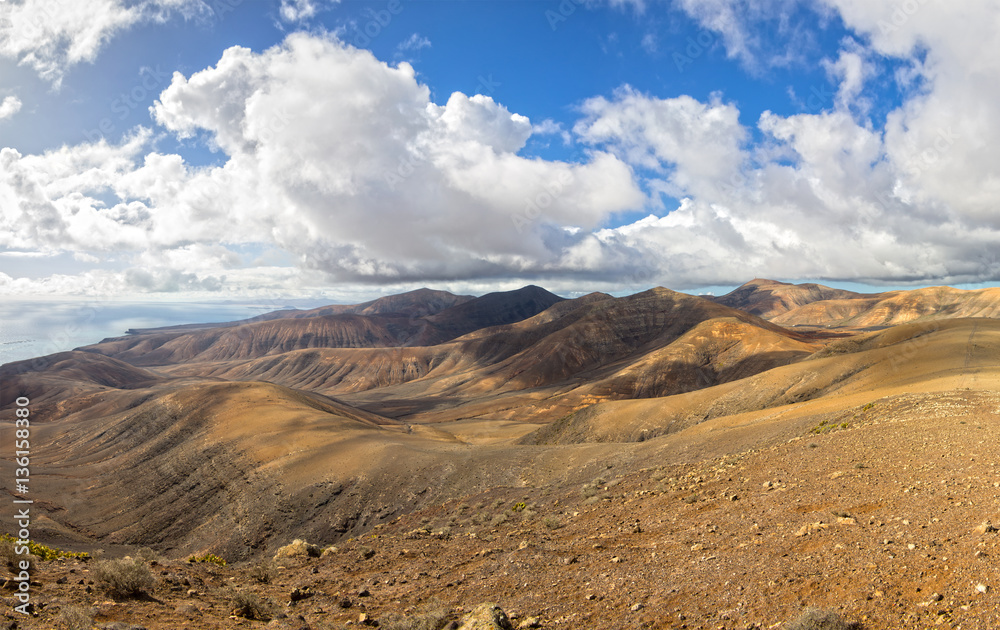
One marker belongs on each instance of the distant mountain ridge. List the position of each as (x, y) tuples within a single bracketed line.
[(817, 305), (416, 318)]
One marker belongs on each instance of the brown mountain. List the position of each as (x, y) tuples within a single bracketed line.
[(770, 298), (896, 307), (376, 324), (418, 303)]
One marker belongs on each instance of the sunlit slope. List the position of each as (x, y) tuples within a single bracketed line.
[(897, 307), (937, 356), (651, 344)]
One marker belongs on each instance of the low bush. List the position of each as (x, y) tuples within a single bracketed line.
[(262, 572), (75, 618), (816, 619), (249, 605), (431, 616), (124, 577)]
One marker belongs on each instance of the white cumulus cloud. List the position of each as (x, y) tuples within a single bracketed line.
[(9, 106)]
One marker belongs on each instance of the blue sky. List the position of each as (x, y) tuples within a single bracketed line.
[(303, 148)]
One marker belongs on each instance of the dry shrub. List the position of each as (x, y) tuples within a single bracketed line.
[(76, 618), (816, 619), (124, 577), (431, 616), (249, 605)]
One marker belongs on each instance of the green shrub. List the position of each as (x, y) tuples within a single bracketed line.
[(208, 557), (123, 577), (42, 551)]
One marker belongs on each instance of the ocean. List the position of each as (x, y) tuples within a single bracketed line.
[(31, 329)]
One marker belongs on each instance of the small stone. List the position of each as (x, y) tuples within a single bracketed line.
[(616, 559), (364, 593), (299, 594), (936, 597), (982, 588), (530, 622), (986, 527), (591, 597), (636, 607)]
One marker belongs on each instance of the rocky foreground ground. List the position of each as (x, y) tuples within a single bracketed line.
[(888, 522)]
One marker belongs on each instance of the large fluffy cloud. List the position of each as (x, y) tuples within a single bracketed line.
[(358, 173), (334, 158)]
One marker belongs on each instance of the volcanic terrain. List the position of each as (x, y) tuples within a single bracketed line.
[(658, 460)]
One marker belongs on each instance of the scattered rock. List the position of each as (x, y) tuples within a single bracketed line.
[(808, 528), (986, 527), (530, 622), (298, 548), (486, 617), (299, 594), (936, 597), (636, 607), (982, 588)]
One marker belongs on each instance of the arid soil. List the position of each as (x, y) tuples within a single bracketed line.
[(877, 521)]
